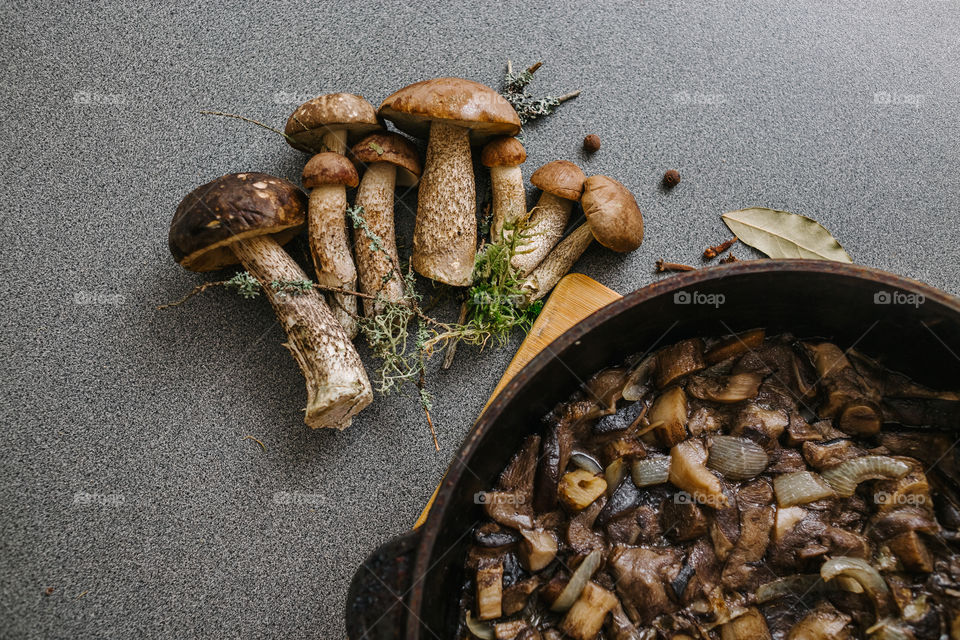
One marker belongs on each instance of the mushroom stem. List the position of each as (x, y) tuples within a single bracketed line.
[(378, 267), (331, 251), (337, 385), (509, 199), (548, 220), (336, 141), (542, 279), (445, 235)]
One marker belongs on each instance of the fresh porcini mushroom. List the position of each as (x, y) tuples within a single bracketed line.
[(503, 156), (328, 175), (327, 122), (613, 219), (454, 112), (246, 218), (561, 183), (390, 160)]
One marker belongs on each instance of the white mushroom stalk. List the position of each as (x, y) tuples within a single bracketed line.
[(337, 385), (613, 219), (562, 185), (445, 233), (328, 174), (453, 112), (390, 160), (503, 156), (245, 218)]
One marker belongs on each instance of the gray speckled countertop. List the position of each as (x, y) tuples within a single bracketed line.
[(127, 485)]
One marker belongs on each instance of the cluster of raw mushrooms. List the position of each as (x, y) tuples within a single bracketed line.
[(247, 218)]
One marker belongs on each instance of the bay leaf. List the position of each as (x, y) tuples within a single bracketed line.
[(781, 234)]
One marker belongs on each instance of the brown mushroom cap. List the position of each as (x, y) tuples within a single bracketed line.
[(561, 178), (612, 213), (233, 207), (332, 112), (393, 148), (504, 151), (329, 168), (459, 102)]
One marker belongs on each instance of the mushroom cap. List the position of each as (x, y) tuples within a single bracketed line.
[(561, 178), (612, 213), (233, 207), (393, 148), (329, 168), (456, 101), (503, 151), (331, 112)]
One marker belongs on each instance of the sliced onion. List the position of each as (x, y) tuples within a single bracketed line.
[(651, 471), (845, 477), (736, 458), (586, 461), (735, 388), (800, 487), (861, 571), (615, 473), (790, 585), (479, 629), (578, 581)]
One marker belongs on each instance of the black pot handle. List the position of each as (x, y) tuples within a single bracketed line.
[(376, 601)]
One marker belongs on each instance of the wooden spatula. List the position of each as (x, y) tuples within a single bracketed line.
[(574, 298)]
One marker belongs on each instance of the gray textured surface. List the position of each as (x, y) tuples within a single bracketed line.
[(756, 103)]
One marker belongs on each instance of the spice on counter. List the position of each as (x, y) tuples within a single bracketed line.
[(714, 251), (729, 258), (663, 267), (591, 144), (671, 178)]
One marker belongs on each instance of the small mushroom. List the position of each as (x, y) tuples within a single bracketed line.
[(504, 155), (326, 122), (328, 175), (390, 160), (246, 218), (613, 219), (455, 112), (561, 183)]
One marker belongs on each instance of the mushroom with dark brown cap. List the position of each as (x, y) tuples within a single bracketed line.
[(324, 123), (562, 185), (390, 160), (245, 218), (613, 219), (455, 112), (328, 175), (504, 155)]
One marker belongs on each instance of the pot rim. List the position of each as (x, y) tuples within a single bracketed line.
[(430, 528)]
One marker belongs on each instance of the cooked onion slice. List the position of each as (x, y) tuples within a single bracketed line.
[(736, 458), (800, 487), (479, 629), (861, 571), (586, 461), (578, 581), (728, 390), (801, 583), (651, 471), (845, 477)]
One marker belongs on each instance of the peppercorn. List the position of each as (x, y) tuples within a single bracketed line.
[(671, 178), (591, 144)]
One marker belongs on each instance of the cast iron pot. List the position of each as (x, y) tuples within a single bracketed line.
[(409, 588)]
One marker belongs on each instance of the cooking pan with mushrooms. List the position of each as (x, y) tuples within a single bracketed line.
[(741, 486), (765, 452)]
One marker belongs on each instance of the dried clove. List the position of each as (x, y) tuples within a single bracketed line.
[(729, 258), (663, 267), (714, 251)]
